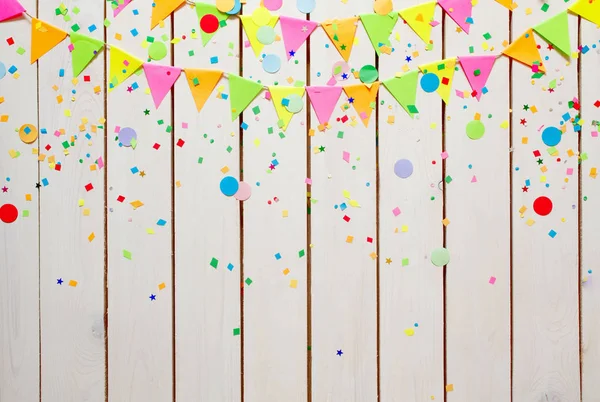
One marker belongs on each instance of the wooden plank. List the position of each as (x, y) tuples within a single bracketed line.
[(19, 258), (412, 367), (207, 224), (545, 269), (140, 355), (478, 276), (72, 317), (275, 304), (590, 216), (344, 286)]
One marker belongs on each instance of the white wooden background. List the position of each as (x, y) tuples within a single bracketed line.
[(532, 336)]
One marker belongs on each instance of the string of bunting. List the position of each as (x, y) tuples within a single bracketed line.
[(435, 77)]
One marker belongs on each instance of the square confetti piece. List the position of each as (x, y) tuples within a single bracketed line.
[(214, 263), (127, 254), (492, 280)]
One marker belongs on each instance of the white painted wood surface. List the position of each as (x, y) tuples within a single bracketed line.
[(518, 338)]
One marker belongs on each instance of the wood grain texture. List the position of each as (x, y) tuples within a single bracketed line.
[(72, 317), (412, 367), (207, 300), (477, 311), (344, 288), (19, 246), (274, 311), (545, 269), (140, 355)]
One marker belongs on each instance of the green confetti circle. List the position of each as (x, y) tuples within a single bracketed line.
[(475, 129), (368, 74), (157, 51), (440, 257), (265, 35), (295, 103)]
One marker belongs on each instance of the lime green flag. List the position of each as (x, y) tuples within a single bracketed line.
[(555, 30), (404, 89), (211, 20), (84, 51), (242, 91), (379, 28)]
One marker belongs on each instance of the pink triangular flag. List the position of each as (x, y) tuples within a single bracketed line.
[(459, 11), (120, 7), (294, 32), (323, 101), (160, 79), (477, 69), (10, 9)]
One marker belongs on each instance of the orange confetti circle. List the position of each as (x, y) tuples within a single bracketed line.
[(383, 7), (28, 133), (225, 5)]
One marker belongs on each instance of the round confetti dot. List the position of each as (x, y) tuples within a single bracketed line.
[(409, 331), (265, 35), (440, 257), (2, 70), (430, 82), (271, 63), (126, 135), (209, 23), (244, 191), (542, 206), (225, 5), (403, 168), (341, 70), (28, 133), (368, 74), (551, 136), (157, 51), (273, 5), (475, 129), (305, 6), (236, 8), (295, 103), (261, 16), (383, 7), (8, 213), (229, 186)]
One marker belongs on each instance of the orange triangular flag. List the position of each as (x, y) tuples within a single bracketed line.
[(508, 4), (44, 37), (341, 33), (162, 9), (202, 83), (525, 50), (363, 97)]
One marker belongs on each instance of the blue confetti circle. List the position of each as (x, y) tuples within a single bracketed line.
[(2, 70), (430, 82), (551, 136), (229, 186)]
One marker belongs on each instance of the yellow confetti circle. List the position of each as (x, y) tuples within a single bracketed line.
[(383, 7), (225, 5), (28, 133), (261, 16)]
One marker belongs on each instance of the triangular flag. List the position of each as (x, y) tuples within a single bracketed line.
[(122, 65), (419, 18), (555, 30), (294, 32), (477, 69), (120, 5), (363, 98), (525, 50), (251, 30), (160, 80), (202, 83), (44, 37), (379, 28), (341, 33), (84, 51), (278, 95), (404, 89), (210, 12), (323, 101), (588, 9), (162, 9), (10, 9), (242, 91), (508, 4), (444, 69), (460, 11)]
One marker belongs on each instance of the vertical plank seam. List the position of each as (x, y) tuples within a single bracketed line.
[(377, 247), (39, 207), (105, 279), (444, 271), (510, 192), (173, 258), (579, 217), (241, 210), (308, 150)]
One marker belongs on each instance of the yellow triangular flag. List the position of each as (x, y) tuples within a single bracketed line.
[(444, 70), (363, 98), (525, 50), (341, 33), (44, 37), (419, 18), (122, 65), (251, 30), (202, 83), (162, 9), (588, 9), (278, 94)]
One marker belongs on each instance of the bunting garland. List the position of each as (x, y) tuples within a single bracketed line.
[(251, 29), (161, 9), (341, 33), (555, 30), (11, 9), (460, 11), (119, 5), (202, 83), (404, 90), (295, 32), (44, 37), (287, 101), (362, 97), (444, 71), (477, 69), (588, 9), (242, 92), (379, 28), (122, 65), (210, 19), (525, 50), (419, 18), (83, 50), (160, 80), (323, 101)]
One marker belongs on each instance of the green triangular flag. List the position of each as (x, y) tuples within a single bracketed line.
[(379, 28), (555, 30), (404, 89), (203, 10), (84, 51), (242, 91)]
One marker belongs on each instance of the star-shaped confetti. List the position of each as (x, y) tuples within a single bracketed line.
[(59, 281), (152, 297), (339, 352)]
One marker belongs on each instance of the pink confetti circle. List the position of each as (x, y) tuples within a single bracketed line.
[(244, 192)]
